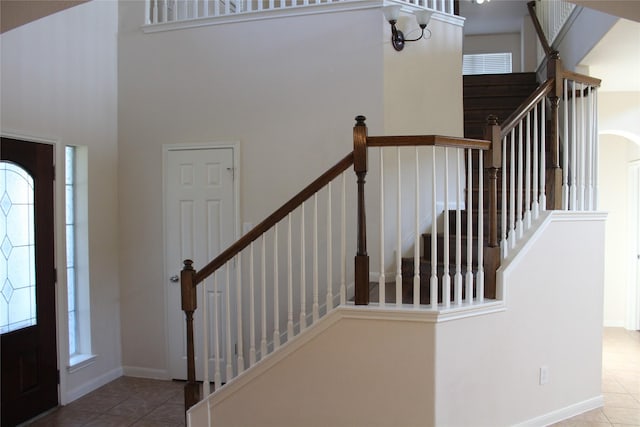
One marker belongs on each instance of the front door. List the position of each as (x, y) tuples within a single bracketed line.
[(27, 281), (200, 223)]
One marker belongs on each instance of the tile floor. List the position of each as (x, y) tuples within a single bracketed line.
[(152, 403), (126, 401), (620, 383)]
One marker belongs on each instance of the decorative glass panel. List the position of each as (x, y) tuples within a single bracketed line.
[(17, 249)]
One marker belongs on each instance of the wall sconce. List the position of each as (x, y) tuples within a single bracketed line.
[(391, 14)]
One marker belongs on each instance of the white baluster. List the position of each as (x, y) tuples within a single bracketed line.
[(596, 149), (543, 161), (480, 275), (469, 275), (303, 273), (457, 281), (446, 278), (165, 10), (205, 7), (343, 242), (416, 244), (205, 340), (217, 380), (590, 139), (252, 310), (289, 282), (527, 175), (227, 7), (512, 193), (315, 308), (381, 278), (535, 206), (504, 242), (229, 371), (216, 8), (329, 251), (519, 224), (565, 144), (582, 150), (398, 231), (263, 299), (240, 348), (276, 294), (574, 157), (433, 281), (195, 8)]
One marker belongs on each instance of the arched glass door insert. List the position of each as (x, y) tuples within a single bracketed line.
[(17, 249)]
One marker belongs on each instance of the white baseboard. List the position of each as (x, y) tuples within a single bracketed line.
[(138, 372), (613, 323), (564, 413), (90, 386)]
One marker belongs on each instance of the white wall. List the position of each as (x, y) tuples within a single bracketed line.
[(553, 318), (287, 89), (59, 83), (619, 145), (358, 368)]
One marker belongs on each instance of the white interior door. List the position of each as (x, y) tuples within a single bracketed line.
[(200, 222)]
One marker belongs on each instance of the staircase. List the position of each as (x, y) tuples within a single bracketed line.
[(497, 94), (484, 95)]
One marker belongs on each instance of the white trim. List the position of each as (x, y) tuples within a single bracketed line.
[(632, 321), (564, 413), (316, 9), (80, 361), (91, 385), (166, 148), (261, 15), (140, 372)]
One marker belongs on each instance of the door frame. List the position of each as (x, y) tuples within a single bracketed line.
[(62, 330), (166, 148), (633, 281)]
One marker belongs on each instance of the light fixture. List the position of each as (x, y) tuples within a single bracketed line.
[(391, 14), (480, 1)]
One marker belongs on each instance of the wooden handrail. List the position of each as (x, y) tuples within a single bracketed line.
[(536, 24), (273, 219), (581, 78), (427, 140), (539, 94)]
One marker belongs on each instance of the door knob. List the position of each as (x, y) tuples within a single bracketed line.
[(174, 278)]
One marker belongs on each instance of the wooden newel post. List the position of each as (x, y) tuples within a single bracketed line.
[(189, 305), (360, 168), (493, 163), (554, 172)]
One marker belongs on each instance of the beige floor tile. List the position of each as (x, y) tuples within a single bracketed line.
[(622, 415), (620, 400)]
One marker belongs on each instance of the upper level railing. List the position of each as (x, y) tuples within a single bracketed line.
[(553, 14), (176, 11)]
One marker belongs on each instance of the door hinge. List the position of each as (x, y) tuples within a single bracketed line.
[(58, 376), (55, 275)]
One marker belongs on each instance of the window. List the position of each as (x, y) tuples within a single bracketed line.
[(486, 63), (78, 303), (17, 249)]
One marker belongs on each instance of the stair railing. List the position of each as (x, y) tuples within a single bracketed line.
[(435, 168), (251, 270), (279, 281)]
